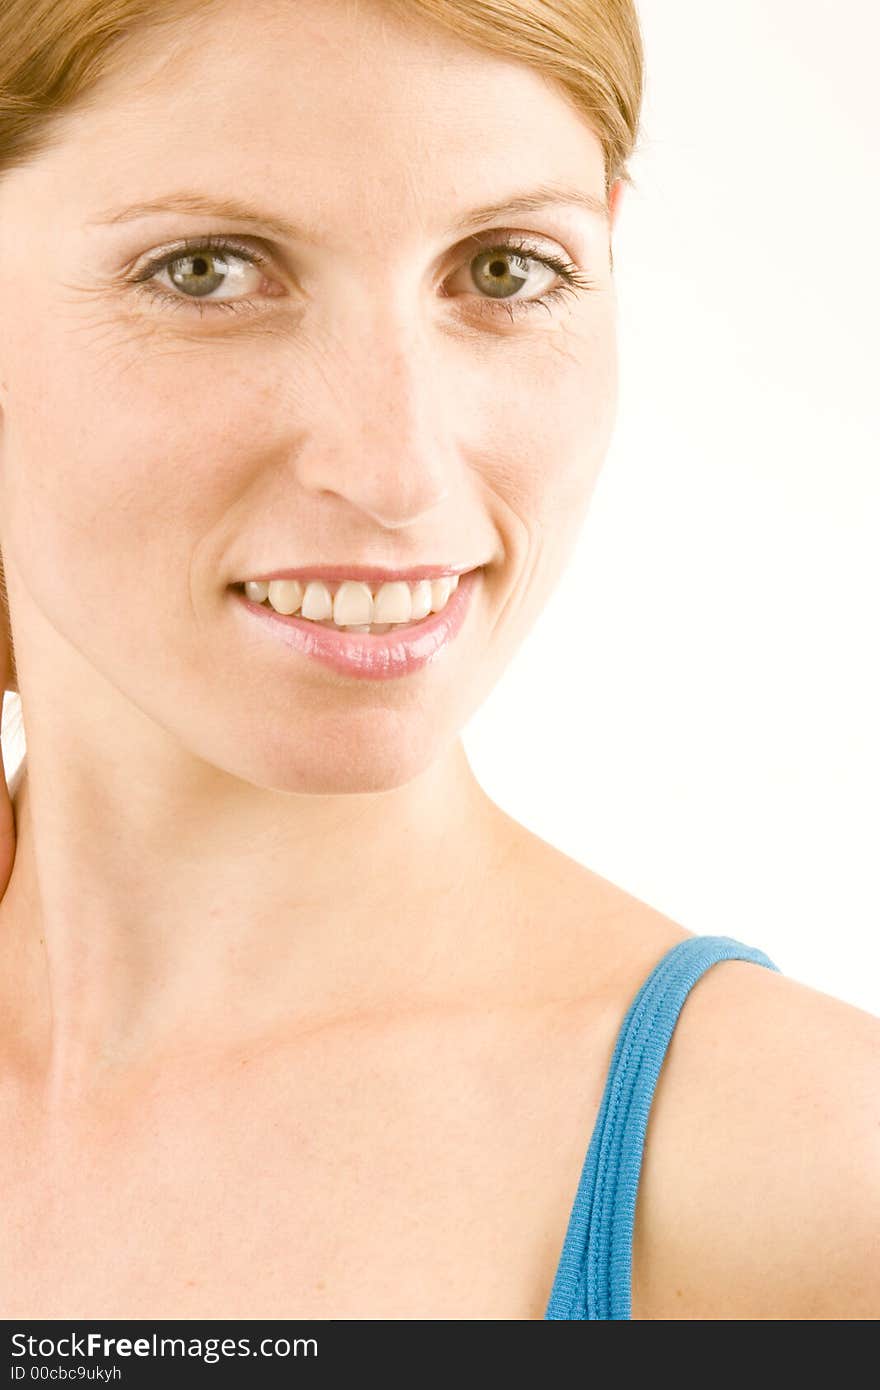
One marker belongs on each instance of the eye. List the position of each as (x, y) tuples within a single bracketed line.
[(200, 268), (495, 276), (501, 270)]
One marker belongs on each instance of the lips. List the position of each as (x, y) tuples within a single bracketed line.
[(366, 574), (408, 648)]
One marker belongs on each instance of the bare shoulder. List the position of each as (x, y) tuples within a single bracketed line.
[(759, 1195), (603, 939)]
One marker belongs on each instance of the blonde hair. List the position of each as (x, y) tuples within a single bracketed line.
[(54, 52)]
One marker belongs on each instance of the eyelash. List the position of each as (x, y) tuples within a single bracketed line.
[(574, 281)]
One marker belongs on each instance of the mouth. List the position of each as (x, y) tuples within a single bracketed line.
[(405, 640), (344, 603)]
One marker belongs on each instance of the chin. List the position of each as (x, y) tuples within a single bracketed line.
[(346, 758)]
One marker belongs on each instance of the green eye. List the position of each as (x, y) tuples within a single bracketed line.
[(500, 270)]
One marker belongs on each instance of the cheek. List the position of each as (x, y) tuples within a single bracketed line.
[(115, 476), (551, 436)]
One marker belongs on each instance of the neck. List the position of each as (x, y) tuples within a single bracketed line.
[(151, 917)]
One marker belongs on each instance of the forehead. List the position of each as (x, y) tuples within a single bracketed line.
[(338, 108)]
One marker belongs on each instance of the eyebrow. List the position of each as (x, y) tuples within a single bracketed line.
[(203, 204)]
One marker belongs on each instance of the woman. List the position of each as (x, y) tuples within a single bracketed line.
[(296, 1022)]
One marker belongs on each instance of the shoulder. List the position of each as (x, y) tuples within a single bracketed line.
[(759, 1195), (760, 1187)]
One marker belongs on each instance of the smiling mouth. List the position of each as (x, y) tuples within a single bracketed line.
[(349, 605), (361, 650)]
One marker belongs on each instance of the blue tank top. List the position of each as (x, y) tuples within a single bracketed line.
[(594, 1275)]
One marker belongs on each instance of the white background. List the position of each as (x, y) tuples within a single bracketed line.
[(695, 716)]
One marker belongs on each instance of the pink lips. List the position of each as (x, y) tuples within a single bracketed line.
[(370, 574), (372, 657)]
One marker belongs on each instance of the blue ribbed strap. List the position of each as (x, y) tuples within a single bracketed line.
[(594, 1275)]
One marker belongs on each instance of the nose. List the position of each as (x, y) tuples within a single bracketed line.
[(380, 436)]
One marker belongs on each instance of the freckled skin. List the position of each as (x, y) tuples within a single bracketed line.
[(152, 456), (219, 846)]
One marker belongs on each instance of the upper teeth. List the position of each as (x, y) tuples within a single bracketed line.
[(354, 603)]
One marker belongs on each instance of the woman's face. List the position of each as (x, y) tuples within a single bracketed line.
[(370, 394)]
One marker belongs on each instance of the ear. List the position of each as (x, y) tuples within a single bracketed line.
[(614, 197), (8, 673)]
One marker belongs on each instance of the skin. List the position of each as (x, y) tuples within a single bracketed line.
[(314, 826), (250, 898)]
